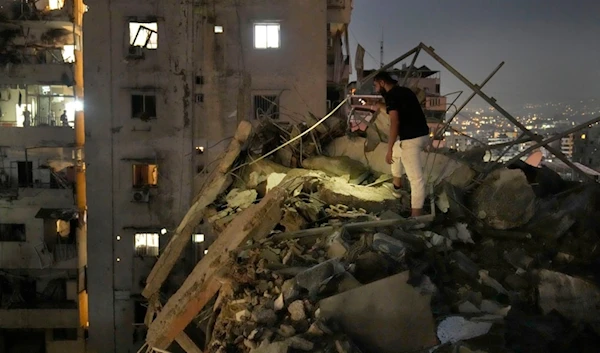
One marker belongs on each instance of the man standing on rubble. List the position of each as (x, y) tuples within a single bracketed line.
[(407, 138)]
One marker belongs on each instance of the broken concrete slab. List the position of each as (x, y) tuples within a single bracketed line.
[(340, 166), (217, 183), (437, 167), (335, 191), (504, 200), (256, 222), (399, 316), (576, 299)]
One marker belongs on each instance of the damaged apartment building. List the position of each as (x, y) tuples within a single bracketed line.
[(166, 85), (43, 302)]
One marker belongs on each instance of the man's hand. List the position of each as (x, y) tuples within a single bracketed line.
[(388, 157)]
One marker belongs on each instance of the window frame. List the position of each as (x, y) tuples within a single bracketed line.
[(276, 102), (143, 96), (266, 24), (142, 249), (143, 23), (133, 175)]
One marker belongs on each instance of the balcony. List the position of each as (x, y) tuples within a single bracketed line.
[(435, 103), (339, 11), (38, 42), (38, 11), (39, 318), (49, 136), (37, 73)]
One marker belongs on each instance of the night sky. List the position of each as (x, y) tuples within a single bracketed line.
[(551, 48)]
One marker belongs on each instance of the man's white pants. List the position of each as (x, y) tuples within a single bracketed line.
[(406, 157)]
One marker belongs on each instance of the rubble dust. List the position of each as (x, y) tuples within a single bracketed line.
[(502, 268)]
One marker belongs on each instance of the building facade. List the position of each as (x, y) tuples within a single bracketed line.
[(586, 147), (166, 85), (43, 301)]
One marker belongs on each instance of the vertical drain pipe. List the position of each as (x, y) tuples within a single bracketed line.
[(80, 183)]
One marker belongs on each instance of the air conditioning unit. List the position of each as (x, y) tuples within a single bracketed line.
[(135, 52), (141, 196)]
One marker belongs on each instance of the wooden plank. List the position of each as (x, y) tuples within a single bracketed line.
[(183, 234), (203, 283), (183, 340), (186, 343)]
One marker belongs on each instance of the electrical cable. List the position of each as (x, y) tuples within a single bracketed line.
[(305, 132)]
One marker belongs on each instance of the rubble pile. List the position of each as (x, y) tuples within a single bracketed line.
[(506, 262)]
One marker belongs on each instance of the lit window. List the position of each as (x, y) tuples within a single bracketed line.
[(146, 244), (56, 4), (145, 175), (266, 35), (197, 238), (218, 29), (143, 35), (68, 53)]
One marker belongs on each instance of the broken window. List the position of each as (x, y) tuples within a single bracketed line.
[(25, 174), (143, 34), (146, 244), (145, 175), (266, 107), (12, 232), (266, 36), (143, 106)]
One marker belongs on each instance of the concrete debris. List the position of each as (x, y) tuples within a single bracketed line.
[(574, 298), (351, 170), (457, 328), (238, 199), (322, 259), (504, 200)]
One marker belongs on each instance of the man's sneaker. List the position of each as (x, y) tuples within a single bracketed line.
[(397, 192)]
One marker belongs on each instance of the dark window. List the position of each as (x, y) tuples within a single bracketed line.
[(139, 312), (266, 107), (143, 106), (12, 232), (64, 334), (25, 173), (437, 88)]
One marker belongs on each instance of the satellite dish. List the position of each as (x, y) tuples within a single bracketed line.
[(535, 159)]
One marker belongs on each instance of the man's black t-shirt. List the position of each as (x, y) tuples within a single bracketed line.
[(412, 119)]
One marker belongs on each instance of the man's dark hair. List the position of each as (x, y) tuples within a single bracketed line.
[(385, 77)]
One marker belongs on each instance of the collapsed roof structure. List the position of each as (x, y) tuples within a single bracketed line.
[(313, 252)]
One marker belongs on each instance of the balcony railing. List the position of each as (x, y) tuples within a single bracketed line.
[(65, 252), (437, 103), (27, 10)]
